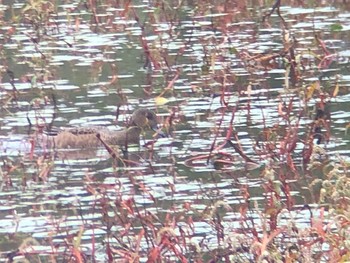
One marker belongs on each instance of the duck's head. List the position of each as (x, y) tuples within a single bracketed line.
[(145, 118)]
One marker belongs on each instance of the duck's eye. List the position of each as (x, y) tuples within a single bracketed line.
[(149, 115)]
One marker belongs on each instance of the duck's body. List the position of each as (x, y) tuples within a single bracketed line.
[(87, 137)]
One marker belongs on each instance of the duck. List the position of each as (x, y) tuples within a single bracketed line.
[(95, 136)]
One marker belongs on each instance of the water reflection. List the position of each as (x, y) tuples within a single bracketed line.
[(219, 76)]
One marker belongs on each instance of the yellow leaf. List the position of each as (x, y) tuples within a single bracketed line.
[(213, 59), (161, 101), (345, 258), (310, 90), (77, 239), (346, 129), (336, 90)]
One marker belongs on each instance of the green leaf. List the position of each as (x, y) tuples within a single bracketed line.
[(336, 27), (232, 50)]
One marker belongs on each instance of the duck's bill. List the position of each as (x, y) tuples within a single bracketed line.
[(159, 132)]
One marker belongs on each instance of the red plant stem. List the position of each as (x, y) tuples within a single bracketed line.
[(146, 49), (216, 136)]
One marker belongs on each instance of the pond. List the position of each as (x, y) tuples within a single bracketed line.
[(253, 97)]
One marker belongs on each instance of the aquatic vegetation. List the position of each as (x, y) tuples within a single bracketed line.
[(254, 100)]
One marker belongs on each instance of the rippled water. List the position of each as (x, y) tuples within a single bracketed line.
[(80, 66)]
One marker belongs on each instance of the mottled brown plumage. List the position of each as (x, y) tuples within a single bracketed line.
[(85, 137)]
